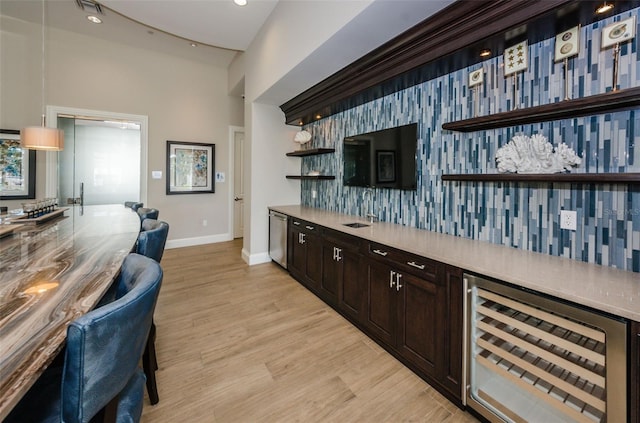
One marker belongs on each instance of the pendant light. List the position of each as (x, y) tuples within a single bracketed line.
[(41, 137)]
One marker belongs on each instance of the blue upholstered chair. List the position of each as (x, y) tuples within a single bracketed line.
[(151, 241), (132, 204), (147, 213), (100, 377), (152, 238)]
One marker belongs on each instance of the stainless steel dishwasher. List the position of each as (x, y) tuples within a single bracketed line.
[(278, 237)]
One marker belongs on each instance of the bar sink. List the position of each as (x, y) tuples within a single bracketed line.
[(355, 225)]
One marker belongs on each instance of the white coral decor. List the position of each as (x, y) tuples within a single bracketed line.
[(535, 154)]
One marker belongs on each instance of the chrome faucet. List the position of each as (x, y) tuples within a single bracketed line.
[(368, 193)]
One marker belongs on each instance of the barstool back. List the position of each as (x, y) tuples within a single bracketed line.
[(152, 238)]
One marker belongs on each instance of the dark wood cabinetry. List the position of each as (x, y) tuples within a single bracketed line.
[(340, 283), (405, 306), (304, 253), (409, 304), (412, 306), (380, 302), (634, 373), (419, 336), (452, 325)]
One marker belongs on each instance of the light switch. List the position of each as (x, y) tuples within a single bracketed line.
[(219, 176), (156, 174)]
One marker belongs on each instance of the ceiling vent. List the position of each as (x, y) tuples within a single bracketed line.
[(90, 6)]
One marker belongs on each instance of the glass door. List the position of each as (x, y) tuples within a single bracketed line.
[(100, 163)]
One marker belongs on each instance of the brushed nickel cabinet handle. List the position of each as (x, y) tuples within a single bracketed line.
[(416, 265), (382, 253)]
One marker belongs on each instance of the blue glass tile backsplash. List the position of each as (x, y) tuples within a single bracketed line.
[(521, 215)]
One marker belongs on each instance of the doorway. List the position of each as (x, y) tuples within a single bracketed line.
[(100, 163), (236, 151), (104, 159)]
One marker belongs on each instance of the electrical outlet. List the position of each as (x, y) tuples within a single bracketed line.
[(314, 193), (568, 220), (204, 222)]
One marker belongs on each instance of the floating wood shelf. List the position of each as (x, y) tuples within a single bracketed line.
[(596, 104), (326, 177), (585, 178), (311, 152)]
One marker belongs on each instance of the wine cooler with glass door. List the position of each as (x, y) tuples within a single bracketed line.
[(530, 358)]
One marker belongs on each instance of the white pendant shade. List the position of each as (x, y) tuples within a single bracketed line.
[(42, 138)]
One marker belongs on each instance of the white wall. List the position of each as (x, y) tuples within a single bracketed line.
[(302, 43), (184, 100), (294, 30), (266, 170), (291, 34)]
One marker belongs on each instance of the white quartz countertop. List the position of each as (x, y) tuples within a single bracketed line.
[(602, 288)]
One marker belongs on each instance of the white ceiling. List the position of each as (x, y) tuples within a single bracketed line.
[(221, 29), (66, 15), (219, 23)]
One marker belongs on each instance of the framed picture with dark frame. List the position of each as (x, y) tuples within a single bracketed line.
[(190, 167), (17, 168), (386, 166)]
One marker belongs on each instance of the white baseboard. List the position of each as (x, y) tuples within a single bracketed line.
[(252, 259), (190, 242)]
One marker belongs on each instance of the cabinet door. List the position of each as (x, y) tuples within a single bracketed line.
[(452, 326), (313, 259), (634, 388), (351, 293), (419, 329), (380, 302), (331, 273), (296, 256)]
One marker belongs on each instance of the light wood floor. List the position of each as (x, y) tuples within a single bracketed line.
[(240, 343)]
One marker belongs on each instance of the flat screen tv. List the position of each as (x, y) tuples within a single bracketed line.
[(382, 159)]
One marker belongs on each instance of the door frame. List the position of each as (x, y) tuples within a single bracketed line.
[(232, 131), (51, 187)]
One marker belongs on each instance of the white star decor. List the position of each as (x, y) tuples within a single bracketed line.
[(516, 58)]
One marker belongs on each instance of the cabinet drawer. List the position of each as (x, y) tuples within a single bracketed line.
[(348, 242), (304, 226), (417, 265)]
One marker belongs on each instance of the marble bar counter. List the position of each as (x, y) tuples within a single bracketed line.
[(50, 274), (602, 288)]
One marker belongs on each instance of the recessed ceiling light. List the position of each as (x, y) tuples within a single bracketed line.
[(318, 117), (94, 19), (240, 2), (485, 53), (604, 7), (194, 45)]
